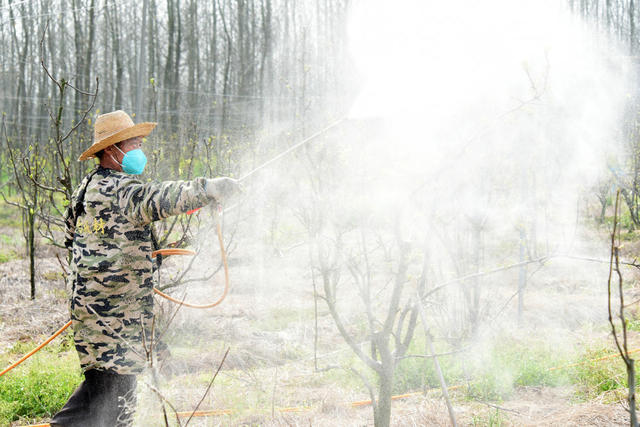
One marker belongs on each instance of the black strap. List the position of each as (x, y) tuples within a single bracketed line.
[(78, 208), (156, 246)]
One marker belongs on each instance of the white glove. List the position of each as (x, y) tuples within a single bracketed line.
[(222, 188)]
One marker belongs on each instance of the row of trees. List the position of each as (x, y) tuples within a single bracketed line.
[(217, 65), (220, 77), (219, 70), (620, 19), (617, 17)]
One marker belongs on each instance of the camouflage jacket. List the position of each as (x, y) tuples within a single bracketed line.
[(111, 274)]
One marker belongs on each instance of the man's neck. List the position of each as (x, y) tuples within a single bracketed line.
[(108, 163)]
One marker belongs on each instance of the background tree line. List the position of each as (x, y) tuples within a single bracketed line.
[(214, 69), (619, 19), (226, 79)]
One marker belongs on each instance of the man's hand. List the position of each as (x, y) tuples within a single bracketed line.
[(222, 188)]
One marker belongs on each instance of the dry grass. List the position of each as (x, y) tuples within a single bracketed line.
[(262, 334), (21, 318)]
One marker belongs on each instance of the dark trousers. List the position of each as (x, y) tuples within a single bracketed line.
[(104, 399)]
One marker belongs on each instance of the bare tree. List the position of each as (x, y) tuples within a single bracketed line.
[(620, 319), (389, 329), (27, 167)]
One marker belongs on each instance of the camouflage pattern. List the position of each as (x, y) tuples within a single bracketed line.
[(112, 271)]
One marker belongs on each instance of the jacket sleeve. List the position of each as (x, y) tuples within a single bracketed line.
[(143, 203)]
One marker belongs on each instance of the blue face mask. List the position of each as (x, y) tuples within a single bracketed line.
[(133, 161)]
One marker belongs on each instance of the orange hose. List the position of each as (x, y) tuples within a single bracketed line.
[(162, 294), (171, 251), (295, 409), (355, 404), (218, 412), (226, 279), (28, 355), (398, 396), (592, 360)]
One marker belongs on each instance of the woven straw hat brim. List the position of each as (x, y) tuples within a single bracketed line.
[(140, 129)]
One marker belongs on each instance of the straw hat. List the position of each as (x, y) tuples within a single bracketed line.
[(112, 128)]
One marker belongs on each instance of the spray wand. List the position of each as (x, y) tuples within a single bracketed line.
[(292, 148), (279, 156), (219, 212)]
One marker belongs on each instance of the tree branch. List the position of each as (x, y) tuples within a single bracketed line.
[(209, 386)]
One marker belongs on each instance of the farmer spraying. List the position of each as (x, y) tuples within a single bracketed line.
[(107, 225)]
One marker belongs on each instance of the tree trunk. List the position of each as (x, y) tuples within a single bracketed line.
[(475, 282), (213, 53), (430, 350), (631, 380), (522, 277), (192, 53), (266, 53), (115, 37), (225, 81), (21, 96), (382, 413), (633, 208), (632, 27), (170, 45), (602, 198), (141, 64), (31, 219), (79, 43)]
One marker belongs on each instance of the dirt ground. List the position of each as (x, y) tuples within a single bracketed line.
[(258, 336)]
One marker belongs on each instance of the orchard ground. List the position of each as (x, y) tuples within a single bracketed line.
[(269, 377)]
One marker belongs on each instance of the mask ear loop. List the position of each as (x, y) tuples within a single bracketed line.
[(118, 148), (114, 159)]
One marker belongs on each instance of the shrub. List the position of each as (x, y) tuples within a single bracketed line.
[(600, 376)]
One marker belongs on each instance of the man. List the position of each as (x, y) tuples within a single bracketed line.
[(108, 229)]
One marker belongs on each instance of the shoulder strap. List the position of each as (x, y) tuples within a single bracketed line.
[(155, 245), (74, 211), (78, 208)]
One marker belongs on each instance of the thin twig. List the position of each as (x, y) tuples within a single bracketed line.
[(273, 393), (166, 328), (42, 57), (600, 260), (64, 270), (165, 400), (430, 349), (80, 91), (209, 386), (484, 273), (84, 113), (501, 408), (431, 356), (369, 387)]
